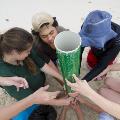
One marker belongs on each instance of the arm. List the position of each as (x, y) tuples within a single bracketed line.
[(49, 70), (106, 59), (107, 105), (46, 67), (83, 88), (51, 64), (16, 81), (22, 93), (41, 96), (114, 67)]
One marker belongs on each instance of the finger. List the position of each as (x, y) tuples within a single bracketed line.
[(17, 89), (22, 81), (76, 79), (68, 83), (25, 83), (54, 94), (17, 84), (45, 87), (75, 94)]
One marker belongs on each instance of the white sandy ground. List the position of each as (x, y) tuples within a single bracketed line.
[(70, 14)]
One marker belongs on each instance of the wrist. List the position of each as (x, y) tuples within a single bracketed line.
[(91, 93), (3, 81), (109, 68), (31, 99)]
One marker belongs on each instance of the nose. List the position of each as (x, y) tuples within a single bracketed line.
[(50, 38)]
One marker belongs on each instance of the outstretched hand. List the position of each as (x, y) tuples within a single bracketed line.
[(18, 82), (81, 86), (41, 96)]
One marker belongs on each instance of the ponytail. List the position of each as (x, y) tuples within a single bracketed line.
[(31, 65)]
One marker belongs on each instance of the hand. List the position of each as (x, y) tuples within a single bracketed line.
[(19, 82), (74, 94), (81, 86), (100, 77), (103, 74), (77, 97), (67, 101), (41, 96)]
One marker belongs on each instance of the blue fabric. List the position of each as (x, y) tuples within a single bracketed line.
[(96, 29), (24, 115), (105, 116)]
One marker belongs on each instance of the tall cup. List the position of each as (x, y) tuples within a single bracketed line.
[(68, 52)]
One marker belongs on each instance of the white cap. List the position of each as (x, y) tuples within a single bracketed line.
[(41, 18)]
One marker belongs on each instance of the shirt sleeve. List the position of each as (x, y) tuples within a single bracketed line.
[(44, 57), (106, 59)]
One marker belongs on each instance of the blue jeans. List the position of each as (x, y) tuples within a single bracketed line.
[(105, 116)]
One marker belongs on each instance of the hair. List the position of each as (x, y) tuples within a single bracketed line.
[(17, 39)]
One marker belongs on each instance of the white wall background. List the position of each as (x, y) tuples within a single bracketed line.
[(69, 13)]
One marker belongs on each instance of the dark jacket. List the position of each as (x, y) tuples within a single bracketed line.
[(105, 55)]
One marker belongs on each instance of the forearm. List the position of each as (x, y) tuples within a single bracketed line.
[(93, 106), (47, 69), (1, 81), (114, 67), (8, 112), (57, 102), (93, 73), (106, 105), (53, 66)]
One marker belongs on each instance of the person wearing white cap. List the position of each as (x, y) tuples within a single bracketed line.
[(45, 29)]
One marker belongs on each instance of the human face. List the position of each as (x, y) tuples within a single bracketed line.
[(22, 55), (48, 33)]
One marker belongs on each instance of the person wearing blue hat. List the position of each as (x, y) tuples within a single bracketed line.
[(103, 37)]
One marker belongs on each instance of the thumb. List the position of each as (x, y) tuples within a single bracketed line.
[(76, 78), (45, 87)]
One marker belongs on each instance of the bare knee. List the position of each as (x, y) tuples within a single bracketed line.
[(109, 81)]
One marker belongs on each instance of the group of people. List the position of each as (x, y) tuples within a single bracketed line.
[(25, 57)]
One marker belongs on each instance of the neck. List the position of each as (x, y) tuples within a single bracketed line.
[(10, 59)]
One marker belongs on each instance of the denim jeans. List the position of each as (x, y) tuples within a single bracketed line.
[(105, 116)]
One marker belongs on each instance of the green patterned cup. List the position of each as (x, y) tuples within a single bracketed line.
[(68, 51)]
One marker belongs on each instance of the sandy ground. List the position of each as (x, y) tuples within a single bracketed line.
[(70, 14), (89, 114)]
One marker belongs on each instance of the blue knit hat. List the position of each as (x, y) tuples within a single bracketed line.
[(96, 29)]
